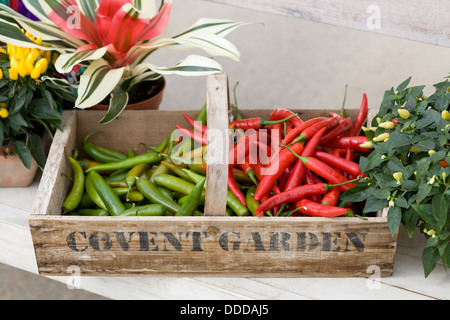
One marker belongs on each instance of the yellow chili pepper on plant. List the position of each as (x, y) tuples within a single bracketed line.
[(4, 113)]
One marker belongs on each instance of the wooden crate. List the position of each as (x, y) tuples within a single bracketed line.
[(213, 245)]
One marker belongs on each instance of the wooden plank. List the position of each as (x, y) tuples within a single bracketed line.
[(213, 246), (217, 159), (417, 20), (53, 189)]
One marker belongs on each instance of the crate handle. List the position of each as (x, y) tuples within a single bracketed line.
[(217, 154)]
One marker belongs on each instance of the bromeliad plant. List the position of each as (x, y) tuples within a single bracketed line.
[(32, 96), (113, 39), (408, 171)]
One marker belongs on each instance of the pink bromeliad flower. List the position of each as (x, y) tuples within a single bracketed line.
[(113, 40)]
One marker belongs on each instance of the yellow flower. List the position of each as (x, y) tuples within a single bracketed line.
[(398, 176), (4, 113)]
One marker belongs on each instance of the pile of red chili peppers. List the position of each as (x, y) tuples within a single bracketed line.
[(298, 167)]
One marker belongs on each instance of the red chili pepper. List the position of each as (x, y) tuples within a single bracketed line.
[(353, 143), (332, 197), (194, 135), (240, 151), (314, 209), (310, 179), (293, 196), (281, 161), (344, 126), (198, 126), (248, 170), (328, 173), (298, 130), (282, 113), (362, 116), (234, 188), (444, 164), (340, 163), (296, 177), (309, 132), (255, 123)]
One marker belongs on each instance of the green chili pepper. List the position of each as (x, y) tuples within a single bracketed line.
[(176, 169), (147, 158), (151, 192), (111, 200), (161, 169), (93, 194), (135, 196), (193, 201), (232, 202), (165, 192), (203, 115), (151, 210), (130, 153), (135, 173), (86, 202), (175, 184), (252, 204), (76, 194), (101, 154)]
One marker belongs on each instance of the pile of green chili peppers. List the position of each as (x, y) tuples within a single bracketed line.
[(111, 183)]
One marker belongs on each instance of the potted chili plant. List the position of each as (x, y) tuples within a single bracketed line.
[(31, 100), (408, 170), (113, 40)]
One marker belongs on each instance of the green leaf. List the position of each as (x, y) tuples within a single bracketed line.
[(394, 219), (37, 150), (424, 211), (374, 205), (423, 191), (430, 257), (356, 194), (440, 210), (24, 154), (40, 109), (404, 85)]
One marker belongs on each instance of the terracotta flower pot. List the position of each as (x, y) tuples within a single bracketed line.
[(13, 174), (151, 103)]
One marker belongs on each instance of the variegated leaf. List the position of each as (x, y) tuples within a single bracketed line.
[(88, 8), (51, 34), (66, 62), (96, 83), (193, 65)]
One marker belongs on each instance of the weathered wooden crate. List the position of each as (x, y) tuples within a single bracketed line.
[(213, 245)]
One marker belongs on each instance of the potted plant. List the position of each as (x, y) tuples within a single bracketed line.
[(408, 171), (113, 40), (32, 97)]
